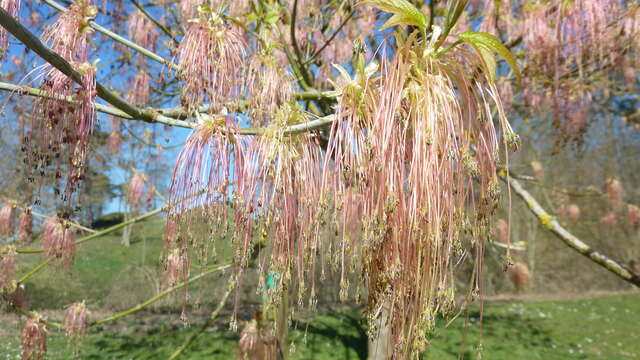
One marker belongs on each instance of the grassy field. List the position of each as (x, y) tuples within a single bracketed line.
[(595, 328), (111, 278)]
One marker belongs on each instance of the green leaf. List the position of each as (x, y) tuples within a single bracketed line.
[(272, 17), (404, 13), (486, 45)]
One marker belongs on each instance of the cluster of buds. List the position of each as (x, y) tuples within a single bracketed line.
[(570, 212), (176, 266), (58, 240), (25, 225), (7, 216), (12, 7), (613, 192), (142, 30), (34, 338), (633, 215), (268, 87), (254, 343), (501, 231), (114, 141), (609, 220), (519, 275), (7, 266), (136, 189), (139, 90), (76, 320)]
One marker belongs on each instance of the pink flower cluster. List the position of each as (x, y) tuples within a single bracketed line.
[(12, 7), (34, 338), (7, 267), (58, 240), (136, 189), (140, 89), (7, 217), (210, 57), (60, 131), (76, 320), (25, 226), (142, 30)]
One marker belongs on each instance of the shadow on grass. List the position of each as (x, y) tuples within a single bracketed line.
[(344, 328)]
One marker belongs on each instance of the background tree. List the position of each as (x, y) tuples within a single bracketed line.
[(321, 140)]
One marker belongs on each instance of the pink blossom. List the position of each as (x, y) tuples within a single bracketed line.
[(176, 267), (25, 226), (501, 231), (268, 87), (613, 192), (519, 275), (608, 220), (76, 320), (58, 240), (114, 141), (210, 57), (142, 30), (573, 212), (136, 189), (34, 338), (633, 215), (6, 219), (7, 267), (139, 91), (17, 61), (12, 7), (151, 195)]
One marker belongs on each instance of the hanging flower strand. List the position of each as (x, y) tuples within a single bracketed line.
[(12, 7), (60, 131), (210, 58)]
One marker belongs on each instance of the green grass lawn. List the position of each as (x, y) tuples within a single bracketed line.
[(112, 278), (596, 328)]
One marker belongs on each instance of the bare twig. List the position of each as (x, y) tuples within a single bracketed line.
[(565, 236), (161, 295)]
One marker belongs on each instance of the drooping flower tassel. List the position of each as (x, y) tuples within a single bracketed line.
[(210, 59), (25, 226), (12, 7), (34, 338), (7, 266), (60, 130), (76, 320), (7, 216), (136, 189), (58, 240)]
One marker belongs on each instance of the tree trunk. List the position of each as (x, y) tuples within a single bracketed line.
[(378, 345), (126, 232)]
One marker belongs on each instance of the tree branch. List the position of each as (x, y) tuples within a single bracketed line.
[(151, 55), (166, 116), (110, 110), (161, 295), (565, 236), (33, 43), (104, 232)]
